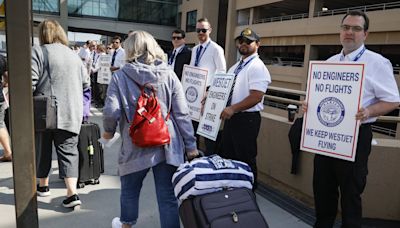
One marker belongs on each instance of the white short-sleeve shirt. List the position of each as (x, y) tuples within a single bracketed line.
[(379, 82), (120, 58), (253, 76), (212, 58)]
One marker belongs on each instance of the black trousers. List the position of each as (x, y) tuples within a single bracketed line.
[(95, 88), (239, 139), (212, 147), (332, 175)]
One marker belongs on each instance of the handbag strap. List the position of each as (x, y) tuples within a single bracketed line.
[(47, 64), (141, 87)]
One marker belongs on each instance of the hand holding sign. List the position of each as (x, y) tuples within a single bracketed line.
[(217, 98)]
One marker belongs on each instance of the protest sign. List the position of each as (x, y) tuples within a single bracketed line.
[(194, 81), (334, 95), (216, 102), (104, 73)]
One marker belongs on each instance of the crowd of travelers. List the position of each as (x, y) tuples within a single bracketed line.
[(68, 73)]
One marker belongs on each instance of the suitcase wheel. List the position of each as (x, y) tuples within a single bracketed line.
[(96, 181), (80, 185)]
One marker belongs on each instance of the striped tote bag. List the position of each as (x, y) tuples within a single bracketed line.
[(210, 174)]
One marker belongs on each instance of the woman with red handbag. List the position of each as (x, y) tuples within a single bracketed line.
[(147, 88)]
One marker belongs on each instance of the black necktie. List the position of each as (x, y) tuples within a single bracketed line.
[(94, 59), (171, 58), (113, 58), (238, 69), (198, 52)]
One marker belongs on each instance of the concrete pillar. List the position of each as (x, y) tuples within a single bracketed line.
[(310, 53), (251, 17), (64, 15), (230, 47), (315, 6), (18, 32)]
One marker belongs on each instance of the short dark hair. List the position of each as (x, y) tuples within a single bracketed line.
[(179, 31), (117, 38), (360, 14), (204, 19), (3, 65)]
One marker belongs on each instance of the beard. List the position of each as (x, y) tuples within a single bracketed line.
[(243, 52)]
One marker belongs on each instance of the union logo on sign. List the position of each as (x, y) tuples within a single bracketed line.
[(330, 112), (191, 94)]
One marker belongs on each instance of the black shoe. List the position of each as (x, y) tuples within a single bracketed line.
[(72, 201), (43, 191)]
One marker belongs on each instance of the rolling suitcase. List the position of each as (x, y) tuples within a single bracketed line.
[(91, 159), (236, 208)]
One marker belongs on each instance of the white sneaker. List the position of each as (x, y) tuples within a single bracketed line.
[(116, 223)]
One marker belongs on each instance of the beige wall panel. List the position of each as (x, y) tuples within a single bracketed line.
[(205, 8), (244, 4), (285, 84), (384, 37)]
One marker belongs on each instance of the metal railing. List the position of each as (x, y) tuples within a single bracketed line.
[(281, 18), (281, 103), (375, 7)]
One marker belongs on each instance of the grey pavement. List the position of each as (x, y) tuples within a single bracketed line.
[(100, 203)]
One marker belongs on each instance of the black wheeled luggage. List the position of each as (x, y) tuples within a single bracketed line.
[(236, 208), (91, 159)]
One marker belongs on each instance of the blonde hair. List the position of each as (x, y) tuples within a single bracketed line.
[(50, 31), (141, 46)]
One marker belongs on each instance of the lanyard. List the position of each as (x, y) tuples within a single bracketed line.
[(201, 54), (240, 66), (358, 56)]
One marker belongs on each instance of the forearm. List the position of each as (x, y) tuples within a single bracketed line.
[(381, 108)]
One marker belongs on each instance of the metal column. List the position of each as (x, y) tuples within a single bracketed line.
[(18, 32)]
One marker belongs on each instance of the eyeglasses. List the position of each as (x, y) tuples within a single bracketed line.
[(353, 28), (242, 40), (177, 38), (201, 30), (109, 48)]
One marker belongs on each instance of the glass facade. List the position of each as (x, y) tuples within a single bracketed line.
[(46, 6), (162, 12)]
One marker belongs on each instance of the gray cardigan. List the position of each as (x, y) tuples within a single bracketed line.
[(69, 78), (120, 106)]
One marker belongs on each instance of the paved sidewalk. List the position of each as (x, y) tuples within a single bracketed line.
[(100, 203)]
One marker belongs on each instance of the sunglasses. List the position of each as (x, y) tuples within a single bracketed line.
[(353, 28), (201, 30), (244, 40), (177, 38), (115, 42)]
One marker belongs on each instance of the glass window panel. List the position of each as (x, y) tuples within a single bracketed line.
[(191, 20)]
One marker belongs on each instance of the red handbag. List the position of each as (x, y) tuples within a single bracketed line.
[(148, 128)]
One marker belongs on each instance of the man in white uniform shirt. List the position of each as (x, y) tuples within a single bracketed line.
[(208, 55), (84, 53), (242, 113), (380, 96), (118, 57)]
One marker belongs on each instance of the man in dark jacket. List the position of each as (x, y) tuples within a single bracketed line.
[(181, 54)]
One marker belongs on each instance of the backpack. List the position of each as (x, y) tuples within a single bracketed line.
[(148, 127)]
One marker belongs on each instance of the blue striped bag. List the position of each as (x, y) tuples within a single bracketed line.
[(210, 174)]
